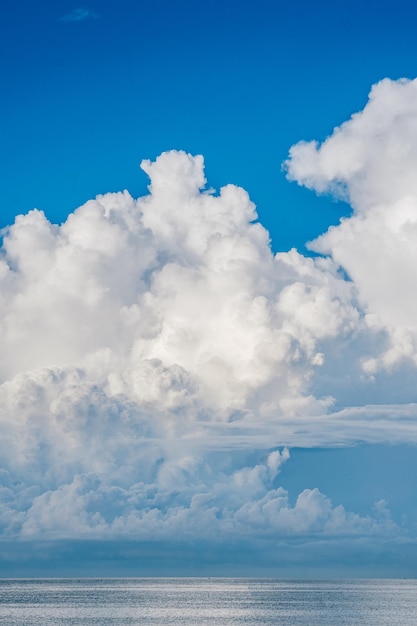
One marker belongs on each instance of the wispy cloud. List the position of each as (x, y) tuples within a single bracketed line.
[(78, 15)]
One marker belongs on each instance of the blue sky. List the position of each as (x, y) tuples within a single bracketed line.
[(85, 100), (175, 399)]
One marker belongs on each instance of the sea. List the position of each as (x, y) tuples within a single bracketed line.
[(207, 601)]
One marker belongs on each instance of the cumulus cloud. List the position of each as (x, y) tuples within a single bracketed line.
[(371, 160), (181, 504), (158, 359), (133, 334), (172, 299)]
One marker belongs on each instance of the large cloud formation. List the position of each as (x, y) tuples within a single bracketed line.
[(148, 345)]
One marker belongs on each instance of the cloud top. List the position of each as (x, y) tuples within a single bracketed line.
[(372, 158), (365, 158)]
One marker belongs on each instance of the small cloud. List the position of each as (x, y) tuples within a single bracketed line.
[(78, 15)]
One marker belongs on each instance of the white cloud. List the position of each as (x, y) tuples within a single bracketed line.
[(372, 159), (180, 282), (154, 351), (78, 15), (236, 505)]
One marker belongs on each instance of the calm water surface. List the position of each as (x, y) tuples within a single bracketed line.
[(208, 602)]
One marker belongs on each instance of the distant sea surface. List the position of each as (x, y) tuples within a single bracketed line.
[(207, 601)]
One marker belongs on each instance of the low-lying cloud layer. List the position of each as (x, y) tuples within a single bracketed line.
[(148, 345)]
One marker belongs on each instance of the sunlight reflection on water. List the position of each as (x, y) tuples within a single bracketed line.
[(209, 602)]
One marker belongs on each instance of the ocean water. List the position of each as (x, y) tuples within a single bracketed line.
[(207, 601)]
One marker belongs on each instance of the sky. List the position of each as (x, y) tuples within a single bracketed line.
[(207, 304)]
